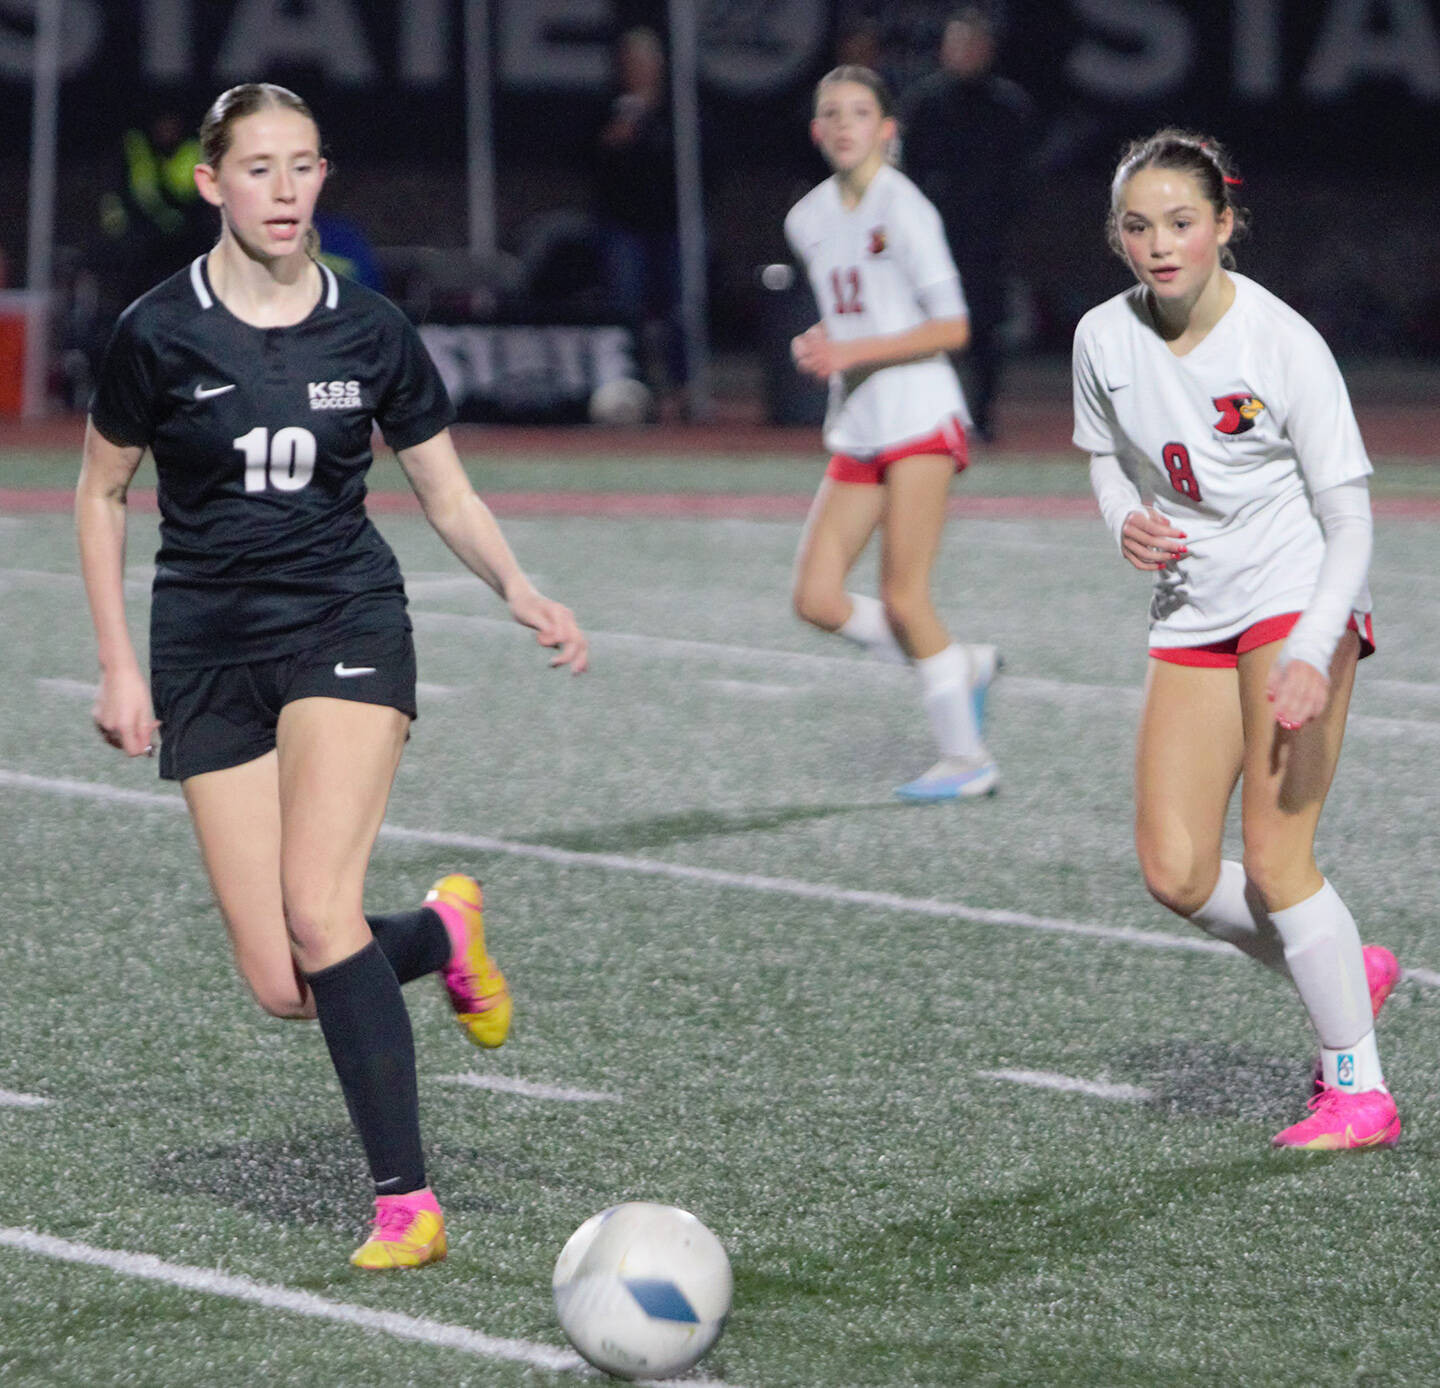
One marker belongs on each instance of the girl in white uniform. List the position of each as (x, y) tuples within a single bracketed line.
[(1226, 461), (892, 307)]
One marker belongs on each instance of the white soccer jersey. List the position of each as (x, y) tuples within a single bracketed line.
[(1228, 443), (868, 265)]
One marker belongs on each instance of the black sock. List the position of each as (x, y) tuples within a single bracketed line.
[(415, 942), (367, 1029)]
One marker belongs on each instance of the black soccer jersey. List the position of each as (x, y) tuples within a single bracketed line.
[(261, 439)]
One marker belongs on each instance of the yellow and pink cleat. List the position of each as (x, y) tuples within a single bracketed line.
[(409, 1231), (1344, 1122), (478, 991)]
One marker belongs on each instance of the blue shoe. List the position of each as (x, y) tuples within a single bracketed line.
[(954, 778), (985, 664)]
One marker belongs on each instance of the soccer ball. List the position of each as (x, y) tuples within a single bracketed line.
[(642, 1290), (619, 401)]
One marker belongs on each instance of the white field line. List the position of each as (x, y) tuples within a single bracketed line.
[(1062, 691), (1043, 1079), (273, 1298), (1065, 692), (681, 872), (754, 689), (76, 689), (1057, 691), (10, 1099), (503, 1084)]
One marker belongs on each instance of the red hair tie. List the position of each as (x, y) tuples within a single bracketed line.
[(1232, 182)]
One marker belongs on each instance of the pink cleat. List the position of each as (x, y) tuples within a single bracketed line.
[(1343, 1122), (1382, 973), (409, 1231), (478, 991)]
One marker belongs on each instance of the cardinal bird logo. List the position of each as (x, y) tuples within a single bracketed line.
[(1238, 412), (877, 241)]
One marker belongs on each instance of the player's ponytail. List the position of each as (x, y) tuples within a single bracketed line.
[(1204, 158)]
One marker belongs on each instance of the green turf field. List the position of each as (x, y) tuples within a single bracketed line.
[(748, 981)]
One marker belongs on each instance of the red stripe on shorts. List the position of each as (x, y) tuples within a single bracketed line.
[(1226, 654), (947, 441)]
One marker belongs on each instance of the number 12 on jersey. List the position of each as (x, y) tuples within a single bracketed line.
[(845, 285), (285, 462)]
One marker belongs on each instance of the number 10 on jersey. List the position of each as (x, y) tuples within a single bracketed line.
[(285, 462)]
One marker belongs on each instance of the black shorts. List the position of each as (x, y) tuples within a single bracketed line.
[(226, 715)]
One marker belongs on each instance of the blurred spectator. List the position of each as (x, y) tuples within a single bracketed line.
[(150, 223), (346, 249), (968, 139), (861, 43), (154, 219), (636, 205)]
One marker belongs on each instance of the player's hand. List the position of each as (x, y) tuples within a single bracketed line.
[(1298, 691), (554, 625), (815, 354), (1149, 541), (123, 715)]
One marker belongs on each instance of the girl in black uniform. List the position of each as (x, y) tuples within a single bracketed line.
[(282, 664)]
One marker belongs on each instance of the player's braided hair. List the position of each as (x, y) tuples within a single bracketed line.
[(216, 130), (1204, 158)]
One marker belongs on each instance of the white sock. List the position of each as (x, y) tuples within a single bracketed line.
[(1235, 914), (945, 682), (1322, 948), (1354, 1069), (868, 626)]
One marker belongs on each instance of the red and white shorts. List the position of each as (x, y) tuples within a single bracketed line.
[(948, 440), (1227, 653)]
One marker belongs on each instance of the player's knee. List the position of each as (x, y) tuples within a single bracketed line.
[(815, 604), (906, 605), (1173, 876), (311, 924), (1276, 873), (286, 998)]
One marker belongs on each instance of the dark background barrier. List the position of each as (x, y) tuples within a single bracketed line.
[(1329, 105)]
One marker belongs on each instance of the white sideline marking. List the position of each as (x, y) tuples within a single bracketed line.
[(77, 688), (10, 1099), (1043, 1079), (504, 1085), (152, 1269), (1069, 693), (1427, 976), (681, 872), (650, 867), (753, 689)]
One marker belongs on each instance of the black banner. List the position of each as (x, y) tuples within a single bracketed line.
[(1318, 81)]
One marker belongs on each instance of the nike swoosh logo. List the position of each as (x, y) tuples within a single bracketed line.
[(1112, 389), (205, 392), (348, 672)]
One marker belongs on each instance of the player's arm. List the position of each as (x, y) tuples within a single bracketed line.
[(1299, 683), (469, 528), (946, 328), (1143, 535), (122, 709)]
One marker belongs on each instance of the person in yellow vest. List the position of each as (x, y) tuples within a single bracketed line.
[(154, 221)]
